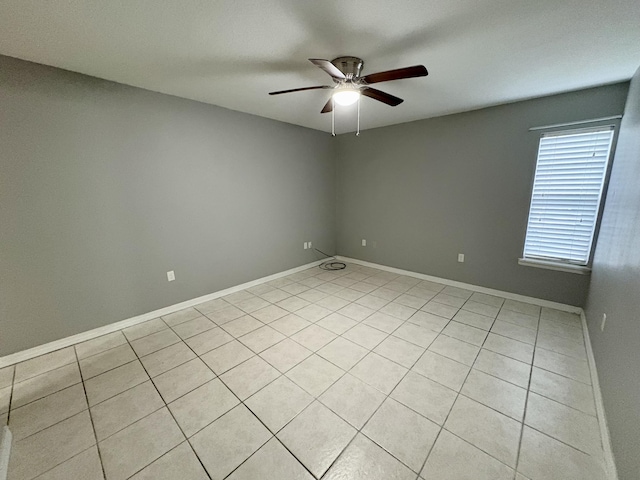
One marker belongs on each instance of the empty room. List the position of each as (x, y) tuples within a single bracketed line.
[(290, 240)]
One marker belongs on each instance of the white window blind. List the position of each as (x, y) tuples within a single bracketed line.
[(566, 196)]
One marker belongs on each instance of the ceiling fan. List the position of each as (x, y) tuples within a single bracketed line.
[(349, 85)]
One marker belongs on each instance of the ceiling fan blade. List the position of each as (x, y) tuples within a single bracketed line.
[(299, 89), (381, 96), (400, 73), (328, 67), (328, 106)]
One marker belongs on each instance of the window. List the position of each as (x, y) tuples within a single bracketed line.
[(567, 190)]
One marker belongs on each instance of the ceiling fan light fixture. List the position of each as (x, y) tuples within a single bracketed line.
[(346, 96)]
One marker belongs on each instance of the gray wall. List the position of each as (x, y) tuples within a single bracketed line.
[(615, 290), (104, 188), (422, 192)]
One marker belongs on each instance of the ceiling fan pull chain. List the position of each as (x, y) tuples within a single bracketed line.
[(333, 117), (358, 129)]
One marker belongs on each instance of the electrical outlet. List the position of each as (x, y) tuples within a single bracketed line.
[(604, 320), (364, 242), (310, 245), (306, 245), (171, 276), (461, 257)]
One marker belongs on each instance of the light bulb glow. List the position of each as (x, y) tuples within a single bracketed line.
[(346, 96)]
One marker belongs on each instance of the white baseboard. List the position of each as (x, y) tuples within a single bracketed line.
[(468, 286), (112, 327), (609, 460)]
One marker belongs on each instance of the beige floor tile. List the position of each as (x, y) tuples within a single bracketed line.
[(277, 403), (364, 460), (114, 381), (564, 390), (372, 302), (313, 337), (440, 309), (481, 308), (275, 296), (179, 463), (86, 465), (441, 369), (285, 355), (416, 334), (316, 437), (142, 442), (193, 327), (270, 313), (412, 301), (4, 418), (313, 295), (332, 302), (398, 310), (457, 292), (5, 398), (503, 396), (247, 378), (120, 411), (569, 332), (356, 312), (474, 319), (229, 441), (293, 304), (365, 336), (425, 397), (544, 458), (509, 347), (154, 342), (100, 344), (400, 351), (562, 345), (45, 384), (487, 299), (314, 375), (450, 300), (211, 306), (505, 368), (402, 432), (50, 447), (167, 358), (289, 324), (251, 305), (227, 356), (271, 461), (466, 333), (108, 360), (520, 319), (261, 339), (490, 431), (570, 426), (144, 329), (181, 380), (454, 459), (455, 349), (429, 321), (336, 323), (313, 313), (567, 318), (515, 332), (237, 297), (207, 341), (521, 307), (44, 363), (181, 316), (201, 406), (47, 411), (383, 322), (6, 376), (343, 353), (570, 367), (352, 399), (379, 372), (225, 315)]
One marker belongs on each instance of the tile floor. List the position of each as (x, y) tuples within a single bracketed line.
[(354, 374)]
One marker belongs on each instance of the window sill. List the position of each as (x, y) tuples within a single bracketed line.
[(561, 267)]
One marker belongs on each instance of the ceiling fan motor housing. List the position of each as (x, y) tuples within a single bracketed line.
[(350, 66)]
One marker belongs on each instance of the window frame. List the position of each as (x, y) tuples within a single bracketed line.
[(563, 129)]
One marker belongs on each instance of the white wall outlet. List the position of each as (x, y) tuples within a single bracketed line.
[(306, 245), (171, 276), (364, 242), (310, 245), (461, 257), (604, 320)]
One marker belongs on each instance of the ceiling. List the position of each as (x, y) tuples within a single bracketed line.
[(232, 53)]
